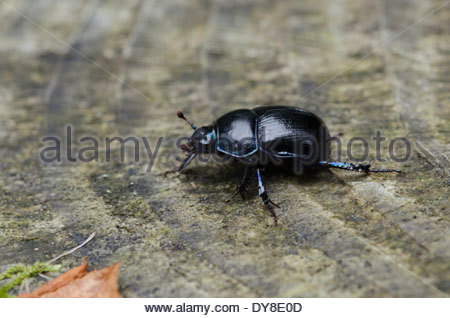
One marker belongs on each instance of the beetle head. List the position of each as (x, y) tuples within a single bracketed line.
[(202, 140)]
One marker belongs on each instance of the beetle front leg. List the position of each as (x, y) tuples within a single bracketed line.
[(243, 186), (355, 167), (183, 166), (263, 194)]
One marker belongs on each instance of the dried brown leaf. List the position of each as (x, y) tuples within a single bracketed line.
[(77, 283)]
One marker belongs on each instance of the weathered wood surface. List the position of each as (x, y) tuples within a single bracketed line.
[(340, 235)]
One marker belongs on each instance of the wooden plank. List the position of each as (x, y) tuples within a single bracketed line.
[(111, 68)]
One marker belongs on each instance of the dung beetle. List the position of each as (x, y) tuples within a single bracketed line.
[(266, 135)]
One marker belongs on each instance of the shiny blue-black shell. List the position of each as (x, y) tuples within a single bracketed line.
[(245, 132)]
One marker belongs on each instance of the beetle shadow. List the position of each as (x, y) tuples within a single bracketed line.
[(215, 174), (217, 178), (287, 172)]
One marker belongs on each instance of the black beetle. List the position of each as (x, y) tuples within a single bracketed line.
[(263, 135)]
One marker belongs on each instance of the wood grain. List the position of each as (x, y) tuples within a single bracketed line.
[(115, 68)]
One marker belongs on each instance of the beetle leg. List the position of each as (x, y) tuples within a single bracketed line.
[(242, 187), (355, 167), (183, 166), (263, 194)]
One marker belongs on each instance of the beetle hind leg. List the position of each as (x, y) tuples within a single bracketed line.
[(356, 167), (243, 186), (264, 196)]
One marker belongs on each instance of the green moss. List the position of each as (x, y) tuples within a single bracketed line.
[(18, 273)]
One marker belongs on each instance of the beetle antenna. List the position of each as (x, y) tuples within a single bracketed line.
[(181, 115)]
